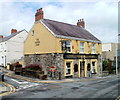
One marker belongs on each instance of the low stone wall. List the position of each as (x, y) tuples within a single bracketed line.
[(46, 61)]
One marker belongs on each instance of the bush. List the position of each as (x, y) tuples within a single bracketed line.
[(34, 67), (44, 77), (17, 65)]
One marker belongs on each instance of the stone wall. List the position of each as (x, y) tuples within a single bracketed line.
[(99, 64), (46, 61)]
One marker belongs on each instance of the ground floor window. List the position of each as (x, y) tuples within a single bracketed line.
[(93, 67), (68, 68), (76, 68)]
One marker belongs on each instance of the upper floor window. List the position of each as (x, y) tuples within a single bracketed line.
[(81, 47), (33, 32), (66, 45), (93, 48), (2, 47)]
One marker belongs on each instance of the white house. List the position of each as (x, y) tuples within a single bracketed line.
[(12, 47)]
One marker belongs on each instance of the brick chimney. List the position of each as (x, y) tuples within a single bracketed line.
[(81, 23), (1, 36), (39, 15), (13, 31)]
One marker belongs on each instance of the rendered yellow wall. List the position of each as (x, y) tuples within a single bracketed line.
[(47, 41), (52, 44)]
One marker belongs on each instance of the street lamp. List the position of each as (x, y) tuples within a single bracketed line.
[(101, 65), (116, 60)]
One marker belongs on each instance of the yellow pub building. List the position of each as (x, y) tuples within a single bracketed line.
[(71, 49)]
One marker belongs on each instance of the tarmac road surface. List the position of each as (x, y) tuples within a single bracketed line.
[(102, 88)]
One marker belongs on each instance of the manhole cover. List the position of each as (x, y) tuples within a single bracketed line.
[(75, 88)]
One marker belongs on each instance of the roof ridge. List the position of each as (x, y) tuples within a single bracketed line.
[(11, 35), (61, 22)]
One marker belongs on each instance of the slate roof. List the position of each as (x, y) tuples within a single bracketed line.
[(68, 30), (10, 36)]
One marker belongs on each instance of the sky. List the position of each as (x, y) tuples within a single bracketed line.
[(100, 16)]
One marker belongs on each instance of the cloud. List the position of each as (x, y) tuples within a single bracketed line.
[(101, 17), (15, 16)]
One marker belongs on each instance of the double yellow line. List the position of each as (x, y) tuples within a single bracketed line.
[(12, 89)]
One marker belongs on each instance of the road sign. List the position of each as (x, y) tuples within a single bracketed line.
[(52, 69)]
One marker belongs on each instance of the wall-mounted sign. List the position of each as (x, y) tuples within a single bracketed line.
[(52, 69), (80, 56), (37, 42)]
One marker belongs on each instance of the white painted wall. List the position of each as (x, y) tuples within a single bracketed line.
[(14, 48)]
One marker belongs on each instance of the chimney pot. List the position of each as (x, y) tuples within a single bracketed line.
[(81, 23), (39, 15), (13, 31), (1, 36)]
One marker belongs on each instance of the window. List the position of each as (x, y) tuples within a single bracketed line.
[(81, 47), (2, 48), (93, 48), (32, 60), (76, 68), (66, 46), (68, 70), (33, 32), (93, 67)]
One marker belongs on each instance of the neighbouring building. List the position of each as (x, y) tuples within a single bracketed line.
[(119, 52), (109, 52), (11, 47), (70, 48)]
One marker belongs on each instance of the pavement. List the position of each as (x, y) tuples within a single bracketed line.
[(12, 75), (35, 80)]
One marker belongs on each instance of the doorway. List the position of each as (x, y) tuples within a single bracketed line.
[(82, 68)]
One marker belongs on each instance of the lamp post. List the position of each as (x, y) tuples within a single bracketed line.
[(116, 58), (101, 65)]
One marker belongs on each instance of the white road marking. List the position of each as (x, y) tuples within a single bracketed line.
[(24, 84), (19, 82), (27, 86)]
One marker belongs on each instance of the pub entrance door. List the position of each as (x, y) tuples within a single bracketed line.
[(82, 68)]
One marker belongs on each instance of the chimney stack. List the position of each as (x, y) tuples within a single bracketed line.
[(1, 36), (39, 15), (13, 31), (81, 23)]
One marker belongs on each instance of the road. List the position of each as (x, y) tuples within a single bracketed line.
[(102, 88)]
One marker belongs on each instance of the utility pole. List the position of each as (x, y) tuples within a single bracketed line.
[(116, 60), (101, 65)]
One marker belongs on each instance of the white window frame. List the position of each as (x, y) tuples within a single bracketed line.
[(33, 32), (93, 67), (68, 68), (93, 48), (82, 47), (68, 46)]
